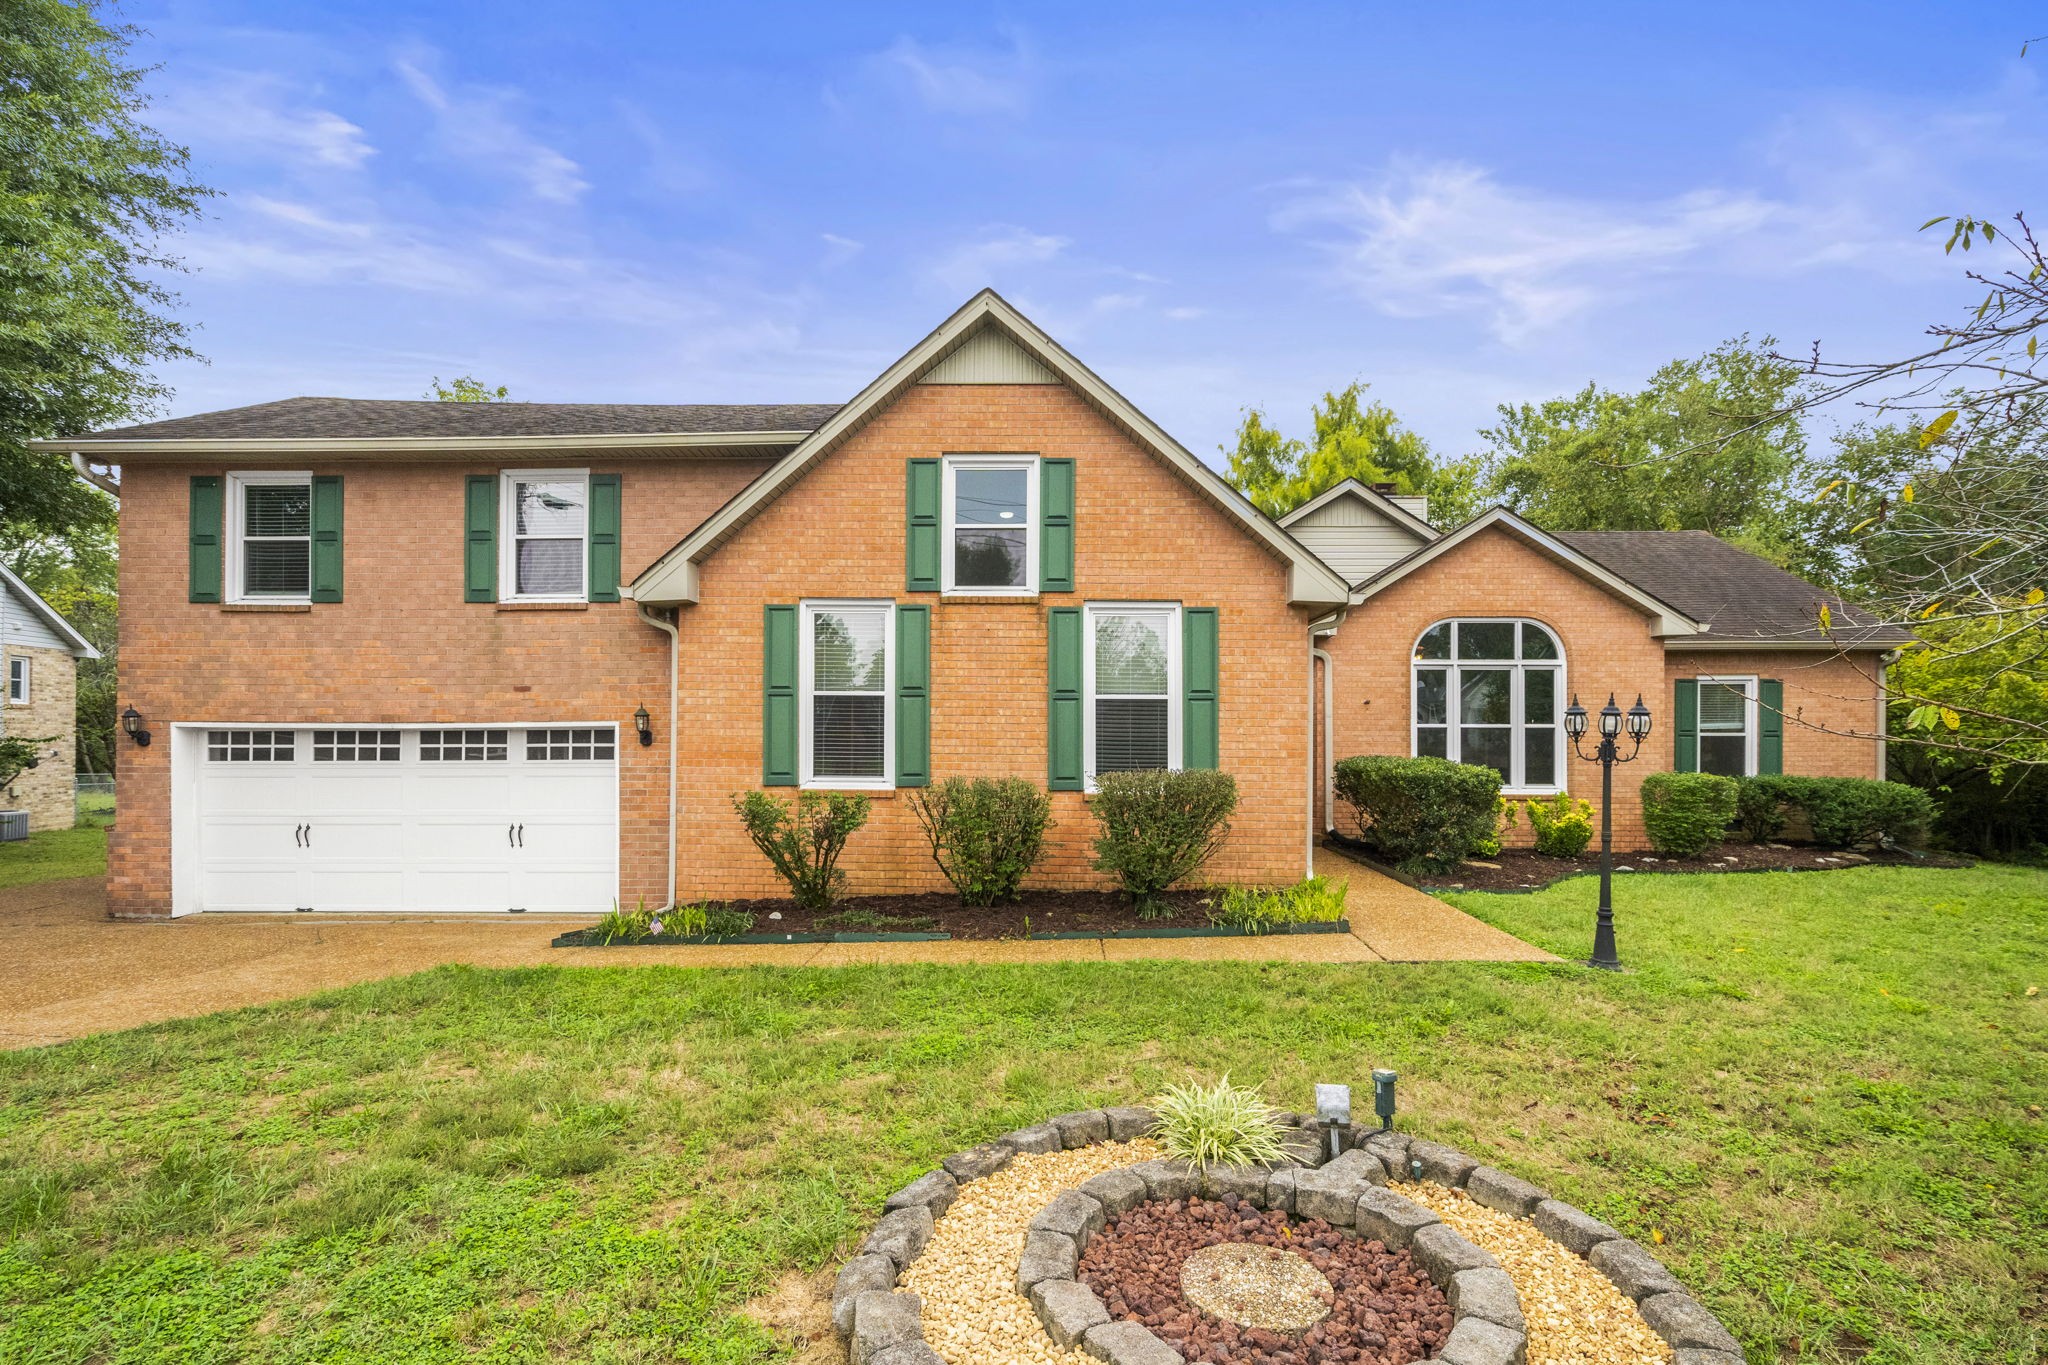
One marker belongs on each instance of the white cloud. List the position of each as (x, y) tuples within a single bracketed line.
[(996, 252), (839, 250), (1185, 314), (226, 113), (958, 80), (476, 124)]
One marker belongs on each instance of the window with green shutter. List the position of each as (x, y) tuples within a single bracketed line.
[(1201, 737), (922, 480), (779, 728), (913, 696), (327, 555), (1056, 526), (1065, 660), (1770, 741), (205, 513), (604, 537), (1685, 726), (480, 539)]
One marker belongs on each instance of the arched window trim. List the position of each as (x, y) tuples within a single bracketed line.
[(1518, 668)]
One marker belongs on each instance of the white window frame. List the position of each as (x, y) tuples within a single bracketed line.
[(1750, 717), (1517, 668), (950, 466), (1174, 692), (509, 538), (238, 516), (18, 680), (806, 659)]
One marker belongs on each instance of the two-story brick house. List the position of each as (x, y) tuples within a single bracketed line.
[(491, 657)]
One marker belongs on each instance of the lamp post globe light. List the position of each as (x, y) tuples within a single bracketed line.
[(1636, 722)]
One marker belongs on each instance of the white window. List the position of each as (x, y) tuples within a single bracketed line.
[(1131, 682), (991, 525), (1491, 693), (846, 660), (17, 681), (270, 537), (1727, 726), (542, 544)]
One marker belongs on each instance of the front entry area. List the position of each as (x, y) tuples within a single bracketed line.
[(414, 818)]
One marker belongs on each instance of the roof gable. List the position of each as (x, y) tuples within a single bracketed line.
[(13, 587), (1351, 490), (673, 578)]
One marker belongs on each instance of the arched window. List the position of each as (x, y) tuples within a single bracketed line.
[(1491, 692)]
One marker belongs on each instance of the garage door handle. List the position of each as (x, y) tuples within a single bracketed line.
[(299, 835), (309, 836), (508, 836), (522, 836)]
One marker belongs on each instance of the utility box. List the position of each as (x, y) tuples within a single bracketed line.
[(13, 826)]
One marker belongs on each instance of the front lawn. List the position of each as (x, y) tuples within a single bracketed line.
[(1821, 1091), (53, 854)]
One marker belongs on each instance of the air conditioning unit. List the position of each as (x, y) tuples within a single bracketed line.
[(13, 826)]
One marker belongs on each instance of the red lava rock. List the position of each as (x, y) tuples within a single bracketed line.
[(1385, 1311)]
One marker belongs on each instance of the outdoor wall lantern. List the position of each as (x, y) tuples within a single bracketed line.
[(1607, 754), (1333, 1111), (643, 726), (1383, 1096), (132, 726)]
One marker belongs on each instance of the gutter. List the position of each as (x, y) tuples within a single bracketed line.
[(106, 483), (415, 445), (675, 644)]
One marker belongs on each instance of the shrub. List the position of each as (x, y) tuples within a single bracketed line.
[(619, 924), (1257, 910), (1687, 813), (1221, 1125), (1427, 814), (985, 833), (803, 842), (1563, 825), (705, 920), (1159, 827), (1841, 810)]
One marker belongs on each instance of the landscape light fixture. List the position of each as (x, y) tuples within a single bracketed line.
[(1383, 1096), (133, 727), (1607, 753), (1333, 1111), (643, 725)]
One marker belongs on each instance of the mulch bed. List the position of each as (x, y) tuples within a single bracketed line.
[(1520, 869), (1385, 1310), (1037, 912)]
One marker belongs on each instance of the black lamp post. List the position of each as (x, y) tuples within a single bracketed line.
[(1607, 754)]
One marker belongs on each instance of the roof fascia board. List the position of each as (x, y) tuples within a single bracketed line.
[(54, 619), (417, 445), (1379, 502), (1668, 622), (1769, 644), (1309, 579)]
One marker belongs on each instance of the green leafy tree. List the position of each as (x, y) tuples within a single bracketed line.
[(467, 389), (1354, 439), (1707, 445), (86, 189)]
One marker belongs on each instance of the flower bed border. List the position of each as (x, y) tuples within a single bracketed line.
[(885, 1327), (574, 937)]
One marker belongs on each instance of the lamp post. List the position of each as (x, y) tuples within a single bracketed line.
[(1607, 754)]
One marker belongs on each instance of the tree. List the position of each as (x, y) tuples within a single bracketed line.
[(1708, 445), (75, 573), (86, 188), (1354, 439), (466, 389)]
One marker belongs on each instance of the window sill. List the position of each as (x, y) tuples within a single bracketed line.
[(873, 793), (543, 606), (1021, 599), (266, 606), (1523, 793)]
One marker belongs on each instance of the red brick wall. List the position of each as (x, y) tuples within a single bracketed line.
[(1141, 535), (402, 647)]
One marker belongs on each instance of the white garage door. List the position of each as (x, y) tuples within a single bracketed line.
[(417, 819)]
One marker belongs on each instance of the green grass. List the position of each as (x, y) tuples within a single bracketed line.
[(1821, 1090), (52, 854)]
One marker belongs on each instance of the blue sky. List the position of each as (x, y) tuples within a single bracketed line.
[(1213, 206)]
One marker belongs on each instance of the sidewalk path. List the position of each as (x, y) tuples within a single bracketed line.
[(1401, 924)]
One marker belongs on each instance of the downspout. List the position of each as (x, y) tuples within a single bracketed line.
[(675, 646), (106, 483)]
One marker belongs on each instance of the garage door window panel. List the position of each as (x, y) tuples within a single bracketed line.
[(355, 746), (465, 746), (251, 746), (570, 745)]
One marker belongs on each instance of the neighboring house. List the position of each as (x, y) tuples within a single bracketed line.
[(519, 656), (39, 654)]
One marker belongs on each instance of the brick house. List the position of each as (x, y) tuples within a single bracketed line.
[(515, 656), (39, 654)]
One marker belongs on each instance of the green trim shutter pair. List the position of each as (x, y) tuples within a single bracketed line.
[(924, 486), (1770, 738), (781, 695), (1201, 715), (480, 539), (207, 512)]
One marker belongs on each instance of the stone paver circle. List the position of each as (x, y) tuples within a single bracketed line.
[(1257, 1286)]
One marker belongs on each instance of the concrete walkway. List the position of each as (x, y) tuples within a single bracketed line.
[(66, 970)]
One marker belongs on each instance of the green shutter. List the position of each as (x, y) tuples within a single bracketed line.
[(604, 538), (922, 489), (1064, 772), (1770, 735), (205, 512), (1056, 526), (913, 696), (326, 537), (480, 542), (778, 697), (1685, 727), (1200, 739)]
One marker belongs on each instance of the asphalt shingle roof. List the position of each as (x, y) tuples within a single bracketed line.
[(374, 418), (1736, 594)]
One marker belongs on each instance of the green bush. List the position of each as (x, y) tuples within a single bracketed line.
[(803, 842), (1218, 1125), (1424, 814), (1841, 810), (1258, 910), (1563, 825), (1687, 813), (1158, 826), (986, 833), (705, 920)]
